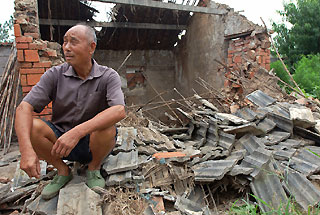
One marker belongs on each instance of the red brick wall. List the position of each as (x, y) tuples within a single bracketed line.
[(252, 48), (31, 66)]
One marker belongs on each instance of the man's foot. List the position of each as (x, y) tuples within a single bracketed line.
[(52, 189), (94, 179)]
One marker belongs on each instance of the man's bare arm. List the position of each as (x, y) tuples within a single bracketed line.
[(101, 121), (23, 124)]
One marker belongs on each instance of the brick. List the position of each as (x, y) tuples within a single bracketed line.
[(237, 59), (158, 207), (227, 83), (50, 105), (168, 155), (26, 89), (268, 59), (32, 71), (230, 55), (33, 35), (230, 61), (38, 46), (259, 59), (25, 65), (17, 30), (20, 55), (22, 46), (24, 39), (31, 56), (51, 53), (267, 66), (42, 64), (32, 79), (23, 79)]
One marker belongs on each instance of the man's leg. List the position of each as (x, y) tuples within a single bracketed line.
[(42, 139), (101, 144)]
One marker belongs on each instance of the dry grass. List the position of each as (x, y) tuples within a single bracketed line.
[(122, 201)]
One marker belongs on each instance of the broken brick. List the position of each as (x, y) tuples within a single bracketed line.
[(168, 155), (17, 30), (31, 56)]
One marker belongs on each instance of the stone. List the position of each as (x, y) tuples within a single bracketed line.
[(78, 199), (302, 117)]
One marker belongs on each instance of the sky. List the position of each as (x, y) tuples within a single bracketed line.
[(252, 9)]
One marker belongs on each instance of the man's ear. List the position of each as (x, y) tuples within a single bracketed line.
[(93, 46)]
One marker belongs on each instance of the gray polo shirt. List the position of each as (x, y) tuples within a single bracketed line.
[(74, 100)]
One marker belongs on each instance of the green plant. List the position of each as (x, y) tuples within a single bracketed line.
[(5, 29), (307, 74)]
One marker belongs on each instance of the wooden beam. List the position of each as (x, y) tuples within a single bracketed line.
[(113, 24), (169, 6)]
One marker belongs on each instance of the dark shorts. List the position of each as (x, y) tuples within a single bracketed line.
[(81, 152)]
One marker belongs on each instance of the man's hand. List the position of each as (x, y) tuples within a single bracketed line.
[(64, 145), (30, 164)]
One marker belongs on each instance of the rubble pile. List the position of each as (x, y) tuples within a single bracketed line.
[(270, 151)]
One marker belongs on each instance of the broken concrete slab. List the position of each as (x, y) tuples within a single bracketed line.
[(212, 170), (266, 125), (119, 178), (281, 122), (121, 162), (231, 118), (291, 143), (239, 170), (257, 160), (305, 133), (226, 140), (125, 140), (247, 114), (206, 103), (267, 186), (304, 192), (78, 199), (250, 128), (275, 137), (304, 167), (302, 117), (189, 207), (284, 154), (251, 143), (260, 98), (41, 206)]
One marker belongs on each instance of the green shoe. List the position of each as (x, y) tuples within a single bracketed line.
[(52, 189), (95, 179)]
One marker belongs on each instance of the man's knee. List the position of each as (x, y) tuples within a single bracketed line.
[(105, 133), (41, 129)]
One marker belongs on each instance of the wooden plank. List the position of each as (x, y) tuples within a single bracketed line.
[(170, 6), (113, 24)]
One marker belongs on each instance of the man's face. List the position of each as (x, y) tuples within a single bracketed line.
[(77, 47)]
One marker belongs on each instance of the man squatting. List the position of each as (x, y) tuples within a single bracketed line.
[(87, 102)]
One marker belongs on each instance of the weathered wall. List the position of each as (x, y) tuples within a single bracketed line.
[(5, 50), (203, 43), (157, 66), (207, 42)]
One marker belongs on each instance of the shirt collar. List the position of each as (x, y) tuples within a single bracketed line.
[(95, 71)]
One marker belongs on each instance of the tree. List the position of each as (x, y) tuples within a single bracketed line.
[(303, 38), (5, 29)]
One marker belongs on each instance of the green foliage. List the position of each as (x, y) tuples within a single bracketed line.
[(279, 70), (303, 37), (307, 74), (5, 29)]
